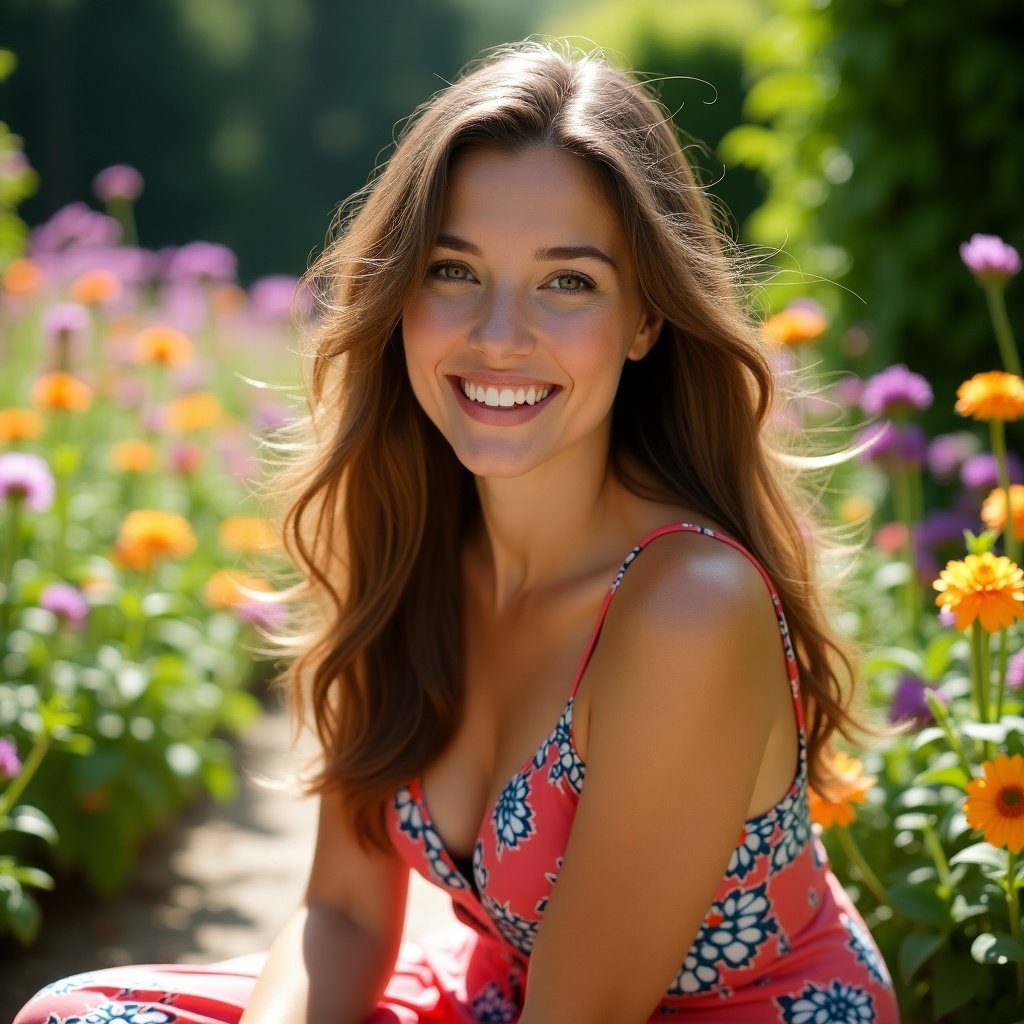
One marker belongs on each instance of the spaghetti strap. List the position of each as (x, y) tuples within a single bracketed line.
[(792, 669)]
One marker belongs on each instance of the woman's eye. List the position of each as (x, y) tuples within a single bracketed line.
[(451, 272), (571, 283)]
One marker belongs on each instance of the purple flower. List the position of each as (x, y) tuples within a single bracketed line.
[(1015, 671), (274, 297), (203, 261), (67, 603), (895, 392), (9, 763), (75, 226), (981, 472), (909, 704), (990, 259), (941, 528), (270, 416), (117, 182), (64, 326), (948, 452), (892, 444), (847, 391), (269, 617), (26, 477), (947, 619)]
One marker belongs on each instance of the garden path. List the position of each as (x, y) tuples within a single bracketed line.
[(218, 884)]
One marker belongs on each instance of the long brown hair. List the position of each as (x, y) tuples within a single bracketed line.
[(379, 504)]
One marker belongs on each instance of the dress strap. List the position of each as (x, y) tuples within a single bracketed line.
[(792, 669)]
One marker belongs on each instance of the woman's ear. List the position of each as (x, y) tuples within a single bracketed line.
[(646, 335)]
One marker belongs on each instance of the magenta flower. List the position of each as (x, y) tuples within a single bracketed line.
[(203, 261), (948, 452), (26, 477), (72, 227), (67, 603), (1015, 671), (117, 182), (990, 259), (895, 392), (893, 444), (9, 763), (909, 703), (981, 472)]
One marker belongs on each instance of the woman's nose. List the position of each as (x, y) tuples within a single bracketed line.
[(501, 330)]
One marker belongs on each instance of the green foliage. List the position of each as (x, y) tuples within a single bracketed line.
[(17, 180), (885, 135)]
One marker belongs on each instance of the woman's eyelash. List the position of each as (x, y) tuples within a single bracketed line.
[(438, 270), (586, 284)]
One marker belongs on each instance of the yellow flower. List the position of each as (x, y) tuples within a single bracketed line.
[(226, 588), (993, 511), (795, 325), (195, 411), (991, 396), (995, 802), (60, 390), (20, 424), (850, 786), (22, 277), (133, 456), (243, 533), (96, 288), (164, 345), (855, 508), (148, 534), (984, 587)]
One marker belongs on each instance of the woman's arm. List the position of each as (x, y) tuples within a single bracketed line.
[(332, 959), (685, 687)]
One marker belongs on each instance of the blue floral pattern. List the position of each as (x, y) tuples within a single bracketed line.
[(513, 816), (492, 1006), (836, 1004), (413, 822), (794, 820), (567, 767), (864, 949), (517, 931), (755, 843), (126, 1013), (65, 985)]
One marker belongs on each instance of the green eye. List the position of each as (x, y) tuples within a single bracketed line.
[(451, 272), (571, 283)]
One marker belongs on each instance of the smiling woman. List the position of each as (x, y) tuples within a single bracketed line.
[(565, 652)]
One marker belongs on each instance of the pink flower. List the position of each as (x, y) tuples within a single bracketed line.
[(67, 603), (990, 259), (9, 763), (117, 182), (895, 392), (26, 477), (64, 326)]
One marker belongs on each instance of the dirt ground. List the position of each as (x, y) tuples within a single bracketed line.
[(219, 884)]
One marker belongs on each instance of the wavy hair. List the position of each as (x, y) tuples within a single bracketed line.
[(378, 503)]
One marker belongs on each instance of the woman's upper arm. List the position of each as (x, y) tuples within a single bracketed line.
[(365, 884), (681, 709)]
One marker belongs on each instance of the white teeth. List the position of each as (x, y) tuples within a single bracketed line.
[(506, 398)]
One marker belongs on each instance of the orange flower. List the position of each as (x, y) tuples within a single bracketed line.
[(229, 299), (22, 277), (133, 456), (982, 587), (795, 325), (20, 424), (851, 786), (148, 535), (227, 588), (60, 390), (993, 511), (96, 288), (995, 802), (195, 411), (164, 345), (241, 533), (991, 396)]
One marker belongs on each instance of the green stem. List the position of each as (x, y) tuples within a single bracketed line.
[(31, 765), (1013, 908), (934, 846), (979, 684), (1011, 541), (868, 876), (136, 632), (1001, 326), (1004, 656), (941, 715), (7, 569), (903, 506)]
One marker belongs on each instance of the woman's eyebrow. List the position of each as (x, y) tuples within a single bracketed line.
[(557, 252)]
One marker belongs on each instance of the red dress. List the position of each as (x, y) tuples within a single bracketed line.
[(780, 942)]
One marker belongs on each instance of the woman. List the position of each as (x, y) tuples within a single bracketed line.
[(531, 362)]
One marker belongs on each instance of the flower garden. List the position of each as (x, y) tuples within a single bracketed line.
[(135, 401)]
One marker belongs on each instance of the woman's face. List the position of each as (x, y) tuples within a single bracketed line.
[(530, 305)]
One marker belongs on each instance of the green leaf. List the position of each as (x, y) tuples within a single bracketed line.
[(989, 732), (997, 948), (955, 982), (220, 780), (898, 658), (32, 822), (916, 948), (34, 877), (938, 655), (21, 912), (916, 821), (952, 775), (919, 903), (983, 854), (926, 736)]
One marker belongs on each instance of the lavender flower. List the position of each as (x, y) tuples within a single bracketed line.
[(74, 227), (67, 603), (117, 182), (909, 703), (947, 619), (948, 452), (1015, 671), (893, 444), (272, 297), (269, 416), (895, 392), (26, 477), (990, 259), (203, 261), (64, 326), (9, 763), (270, 618), (981, 472)]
